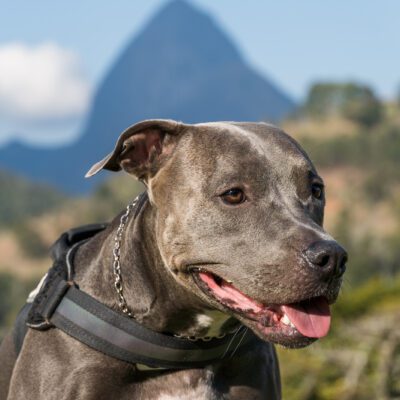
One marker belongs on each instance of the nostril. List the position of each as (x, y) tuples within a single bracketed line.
[(342, 265), (324, 260), (319, 255), (328, 256)]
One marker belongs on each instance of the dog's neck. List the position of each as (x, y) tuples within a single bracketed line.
[(152, 293)]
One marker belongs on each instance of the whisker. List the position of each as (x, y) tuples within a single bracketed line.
[(240, 341), (231, 341)]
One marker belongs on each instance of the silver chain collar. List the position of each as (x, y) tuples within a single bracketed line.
[(117, 259), (123, 305)]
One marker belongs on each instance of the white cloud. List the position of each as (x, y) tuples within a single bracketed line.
[(41, 83)]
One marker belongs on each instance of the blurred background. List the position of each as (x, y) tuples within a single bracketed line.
[(73, 77)]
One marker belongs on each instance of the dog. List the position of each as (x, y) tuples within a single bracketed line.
[(228, 240)]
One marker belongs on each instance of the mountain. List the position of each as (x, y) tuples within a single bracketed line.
[(181, 66)]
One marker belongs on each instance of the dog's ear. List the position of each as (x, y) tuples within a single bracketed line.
[(141, 148)]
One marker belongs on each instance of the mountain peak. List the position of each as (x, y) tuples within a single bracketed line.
[(180, 26), (178, 6), (181, 66), (176, 10)]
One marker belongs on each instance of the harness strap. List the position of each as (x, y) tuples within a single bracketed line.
[(103, 329), (20, 328)]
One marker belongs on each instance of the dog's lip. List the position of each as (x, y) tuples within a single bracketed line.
[(272, 319)]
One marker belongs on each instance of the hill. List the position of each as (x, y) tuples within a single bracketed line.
[(181, 66), (21, 199)]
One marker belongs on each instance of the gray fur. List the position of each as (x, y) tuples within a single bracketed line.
[(257, 245)]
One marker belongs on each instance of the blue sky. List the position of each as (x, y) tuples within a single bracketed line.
[(292, 42)]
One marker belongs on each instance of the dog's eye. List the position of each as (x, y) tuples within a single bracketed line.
[(233, 196), (317, 191)]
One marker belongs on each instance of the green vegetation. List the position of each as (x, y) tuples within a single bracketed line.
[(20, 199), (112, 196), (377, 151), (374, 295), (29, 241), (105, 203), (13, 292), (360, 358), (356, 102), (370, 256)]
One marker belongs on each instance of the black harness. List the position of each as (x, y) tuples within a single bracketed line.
[(61, 304)]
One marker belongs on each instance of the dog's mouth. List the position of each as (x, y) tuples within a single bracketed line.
[(294, 325)]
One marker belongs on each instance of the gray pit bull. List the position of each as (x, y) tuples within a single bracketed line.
[(231, 236)]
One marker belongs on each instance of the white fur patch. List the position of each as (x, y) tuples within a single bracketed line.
[(204, 321), (35, 292), (213, 321), (200, 393)]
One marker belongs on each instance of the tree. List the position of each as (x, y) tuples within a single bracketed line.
[(362, 106), (353, 101)]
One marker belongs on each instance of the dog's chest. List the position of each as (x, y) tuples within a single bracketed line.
[(198, 394), (209, 384), (182, 385), (253, 376)]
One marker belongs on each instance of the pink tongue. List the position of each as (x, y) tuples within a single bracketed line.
[(311, 318), (228, 292)]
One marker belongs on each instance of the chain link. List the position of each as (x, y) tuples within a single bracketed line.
[(117, 259)]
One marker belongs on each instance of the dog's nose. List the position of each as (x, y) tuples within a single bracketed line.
[(328, 256)]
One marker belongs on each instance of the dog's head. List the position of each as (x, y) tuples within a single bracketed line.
[(239, 221)]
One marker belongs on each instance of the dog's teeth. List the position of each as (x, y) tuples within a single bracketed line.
[(285, 320)]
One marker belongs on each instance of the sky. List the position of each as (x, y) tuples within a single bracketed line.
[(72, 45)]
